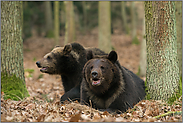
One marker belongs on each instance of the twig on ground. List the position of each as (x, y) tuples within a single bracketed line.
[(169, 113)]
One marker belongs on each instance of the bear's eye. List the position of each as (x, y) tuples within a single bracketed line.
[(102, 67), (112, 70), (48, 57), (91, 67)]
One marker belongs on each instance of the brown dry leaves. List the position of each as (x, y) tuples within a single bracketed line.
[(32, 110), (49, 88)]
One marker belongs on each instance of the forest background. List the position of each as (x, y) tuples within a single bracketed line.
[(44, 26)]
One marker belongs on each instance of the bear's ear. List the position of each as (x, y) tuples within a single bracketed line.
[(56, 46), (67, 49), (89, 55), (112, 56)]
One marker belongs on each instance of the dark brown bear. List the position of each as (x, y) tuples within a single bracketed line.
[(109, 85), (67, 61)]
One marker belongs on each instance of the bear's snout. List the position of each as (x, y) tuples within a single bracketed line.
[(94, 74), (38, 64)]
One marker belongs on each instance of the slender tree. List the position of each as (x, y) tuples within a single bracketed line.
[(134, 24), (162, 68), (12, 70), (178, 16), (143, 59), (84, 15), (69, 25), (123, 15), (48, 19), (105, 26), (56, 23)]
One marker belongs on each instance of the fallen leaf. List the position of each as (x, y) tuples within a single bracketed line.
[(48, 119), (30, 106), (75, 118), (41, 118), (148, 112), (105, 113), (8, 118)]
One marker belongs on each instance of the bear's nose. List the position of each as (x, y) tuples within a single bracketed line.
[(94, 74), (38, 64)]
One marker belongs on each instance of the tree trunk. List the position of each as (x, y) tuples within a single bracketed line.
[(84, 15), (56, 23), (105, 26), (134, 24), (178, 15), (143, 59), (12, 70), (123, 15), (162, 68), (48, 19), (69, 25)]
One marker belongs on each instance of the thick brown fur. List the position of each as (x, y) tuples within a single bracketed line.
[(68, 62), (109, 85)]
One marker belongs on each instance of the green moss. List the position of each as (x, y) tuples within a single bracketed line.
[(50, 34), (113, 48), (147, 97), (27, 50), (138, 73), (180, 85), (34, 59), (135, 40), (13, 87), (40, 76), (29, 70)]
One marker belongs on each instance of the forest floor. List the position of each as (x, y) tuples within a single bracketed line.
[(45, 90)]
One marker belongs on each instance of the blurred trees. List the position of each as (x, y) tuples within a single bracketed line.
[(56, 22), (104, 39), (133, 19), (70, 22), (161, 38), (33, 18), (134, 23), (85, 17), (12, 70), (48, 19), (123, 15)]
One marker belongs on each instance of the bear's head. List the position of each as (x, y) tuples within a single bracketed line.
[(63, 60), (100, 72)]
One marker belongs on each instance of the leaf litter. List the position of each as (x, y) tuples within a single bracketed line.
[(31, 110), (43, 104)]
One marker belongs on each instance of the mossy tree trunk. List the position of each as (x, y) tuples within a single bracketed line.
[(123, 15), (162, 68), (12, 70), (70, 22), (56, 23), (48, 19), (104, 41), (178, 15)]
